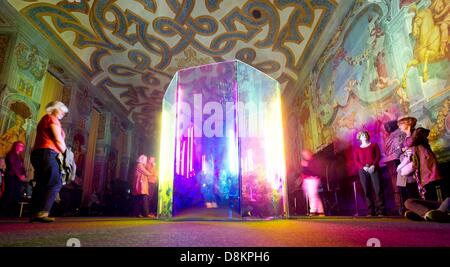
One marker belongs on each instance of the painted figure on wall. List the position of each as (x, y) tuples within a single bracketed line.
[(441, 16), (13, 134), (442, 126), (430, 29), (376, 41), (4, 40), (358, 80), (29, 59), (377, 69), (17, 132), (79, 156)]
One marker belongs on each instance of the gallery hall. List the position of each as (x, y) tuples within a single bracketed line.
[(225, 124)]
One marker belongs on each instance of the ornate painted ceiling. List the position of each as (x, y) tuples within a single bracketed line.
[(133, 47)]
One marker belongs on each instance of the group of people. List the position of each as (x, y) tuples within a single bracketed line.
[(415, 164), (47, 180), (417, 173), (48, 158)]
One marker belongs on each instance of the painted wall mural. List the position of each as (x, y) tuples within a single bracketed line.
[(17, 129), (386, 60), (66, 95), (153, 39), (79, 151), (4, 40), (21, 94), (430, 28), (31, 70)]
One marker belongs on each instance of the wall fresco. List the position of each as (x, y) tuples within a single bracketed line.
[(375, 70)]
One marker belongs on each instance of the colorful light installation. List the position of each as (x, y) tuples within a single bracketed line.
[(226, 149), (167, 155)]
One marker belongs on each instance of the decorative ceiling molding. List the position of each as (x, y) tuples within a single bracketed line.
[(4, 22), (133, 48)]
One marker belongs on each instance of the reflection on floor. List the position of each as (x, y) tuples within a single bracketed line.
[(295, 232)]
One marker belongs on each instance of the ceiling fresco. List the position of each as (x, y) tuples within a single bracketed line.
[(133, 48)]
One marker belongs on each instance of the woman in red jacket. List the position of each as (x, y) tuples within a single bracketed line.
[(367, 158)]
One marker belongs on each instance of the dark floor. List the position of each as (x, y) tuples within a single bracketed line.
[(294, 232)]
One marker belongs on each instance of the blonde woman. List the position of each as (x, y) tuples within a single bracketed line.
[(48, 145), (140, 189)]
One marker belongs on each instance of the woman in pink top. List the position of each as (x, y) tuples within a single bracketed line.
[(367, 158), (141, 188)]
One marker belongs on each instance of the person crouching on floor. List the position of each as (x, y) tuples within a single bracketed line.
[(428, 210)]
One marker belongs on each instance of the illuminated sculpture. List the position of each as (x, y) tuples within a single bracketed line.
[(222, 144)]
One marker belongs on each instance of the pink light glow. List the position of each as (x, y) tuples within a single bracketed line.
[(311, 189), (188, 156), (182, 157), (177, 153), (191, 141), (250, 159), (178, 138), (203, 167)]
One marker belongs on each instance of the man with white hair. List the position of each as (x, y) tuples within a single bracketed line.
[(48, 145)]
